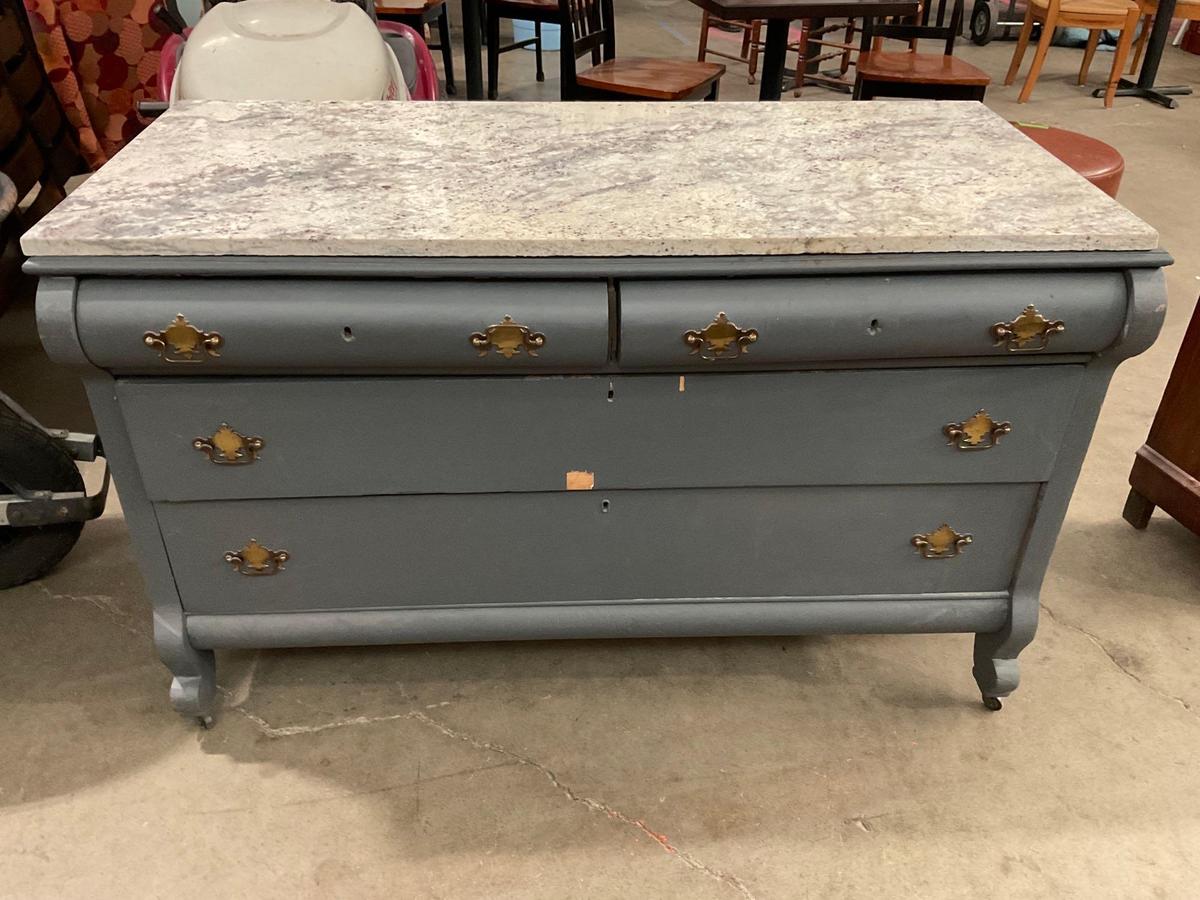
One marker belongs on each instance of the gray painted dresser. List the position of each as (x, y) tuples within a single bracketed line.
[(385, 373)]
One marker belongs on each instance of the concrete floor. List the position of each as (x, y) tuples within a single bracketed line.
[(805, 767)]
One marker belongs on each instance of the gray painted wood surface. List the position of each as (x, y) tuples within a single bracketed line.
[(349, 436), (810, 580), (587, 547), (861, 317), (287, 325), (695, 617)]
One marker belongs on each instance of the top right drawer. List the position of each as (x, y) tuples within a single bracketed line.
[(744, 323)]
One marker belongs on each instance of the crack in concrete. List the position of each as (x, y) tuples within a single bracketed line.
[(292, 730), (590, 803), (102, 602), (240, 693), (1121, 667)]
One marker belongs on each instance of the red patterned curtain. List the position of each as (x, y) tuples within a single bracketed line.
[(102, 58)]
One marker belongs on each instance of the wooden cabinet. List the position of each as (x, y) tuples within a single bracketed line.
[(1166, 471)]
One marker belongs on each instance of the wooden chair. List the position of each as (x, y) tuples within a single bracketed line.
[(753, 44), (1183, 10), (830, 47), (588, 28), (1095, 16), (416, 14), (940, 76), (751, 30), (538, 12)]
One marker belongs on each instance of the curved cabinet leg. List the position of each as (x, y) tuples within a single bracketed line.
[(194, 685), (996, 669)]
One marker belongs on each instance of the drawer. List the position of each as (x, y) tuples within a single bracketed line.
[(276, 325), (348, 436), (481, 549), (663, 323)]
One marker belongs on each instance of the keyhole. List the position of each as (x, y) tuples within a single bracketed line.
[(610, 392), (874, 328), (603, 506), (347, 334)]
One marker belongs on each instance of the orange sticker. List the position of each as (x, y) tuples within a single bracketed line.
[(581, 481)]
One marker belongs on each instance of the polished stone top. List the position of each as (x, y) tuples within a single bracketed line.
[(582, 179)]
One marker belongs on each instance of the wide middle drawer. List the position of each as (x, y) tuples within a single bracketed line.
[(357, 436)]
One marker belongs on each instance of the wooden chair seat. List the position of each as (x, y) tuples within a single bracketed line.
[(546, 9), (913, 74), (926, 68), (653, 79), (406, 7), (1108, 9)]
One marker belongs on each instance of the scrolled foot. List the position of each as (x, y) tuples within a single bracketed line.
[(206, 722), (996, 677), (992, 703), (194, 694)]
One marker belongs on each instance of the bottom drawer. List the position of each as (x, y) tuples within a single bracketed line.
[(578, 547)]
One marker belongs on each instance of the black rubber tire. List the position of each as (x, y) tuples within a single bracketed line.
[(981, 24), (39, 463)]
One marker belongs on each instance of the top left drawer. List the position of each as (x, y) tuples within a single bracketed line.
[(245, 326)]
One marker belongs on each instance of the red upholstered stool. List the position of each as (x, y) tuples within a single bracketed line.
[(1094, 160)]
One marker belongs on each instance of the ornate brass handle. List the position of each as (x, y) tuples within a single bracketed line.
[(255, 559), (980, 432), (227, 447), (183, 342), (941, 543), (1027, 333), (508, 338), (720, 339)]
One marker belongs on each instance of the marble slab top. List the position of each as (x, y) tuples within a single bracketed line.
[(582, 179)]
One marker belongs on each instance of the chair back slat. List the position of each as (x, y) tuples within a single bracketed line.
[(590, 26), (939, 20)]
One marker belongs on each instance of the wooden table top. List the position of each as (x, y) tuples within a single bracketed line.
[(806, 9)]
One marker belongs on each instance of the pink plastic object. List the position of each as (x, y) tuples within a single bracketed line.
[(168, 60), (427, 79)]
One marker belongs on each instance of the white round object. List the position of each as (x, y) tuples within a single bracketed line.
[(287, 50)]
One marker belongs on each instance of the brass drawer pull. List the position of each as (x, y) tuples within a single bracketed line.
[(980, 432), (941, 543), (1027, 333), (227, 447), (255, 559), (508, 338), (720, 339), (183, 342)]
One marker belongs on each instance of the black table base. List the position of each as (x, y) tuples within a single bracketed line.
[(1159, 95), (1144, 87)]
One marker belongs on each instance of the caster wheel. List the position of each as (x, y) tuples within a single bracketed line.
[(981, 23), (206, 722), (992, 703)]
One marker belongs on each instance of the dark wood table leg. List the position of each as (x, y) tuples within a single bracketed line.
[(1144, 87), (774, 55), (472, 47)]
